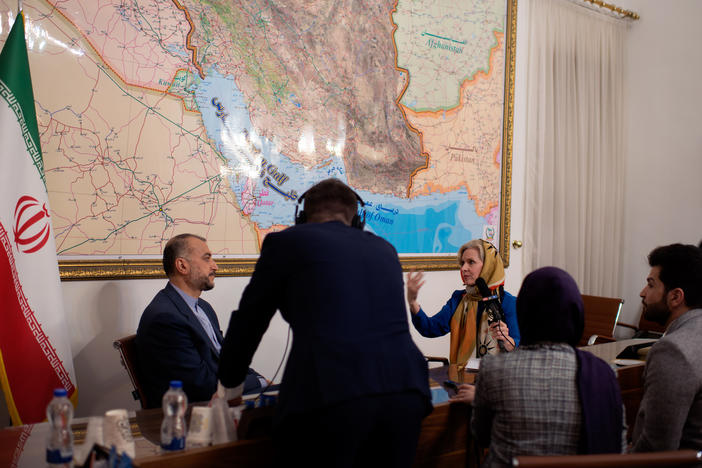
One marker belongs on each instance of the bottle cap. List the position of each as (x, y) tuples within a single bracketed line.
[(60, 392), (176, 384)]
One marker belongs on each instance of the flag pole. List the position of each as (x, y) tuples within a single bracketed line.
[(19, 6)]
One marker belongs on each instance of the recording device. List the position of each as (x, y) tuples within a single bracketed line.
[(632, 351), (450, 384), (492, 302), (358, 221), (492, 307)]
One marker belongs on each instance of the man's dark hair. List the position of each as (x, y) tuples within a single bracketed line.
[(330, 197), (680, 267), (176, 247)]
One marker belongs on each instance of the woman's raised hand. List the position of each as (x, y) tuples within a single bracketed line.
[(415, 280)]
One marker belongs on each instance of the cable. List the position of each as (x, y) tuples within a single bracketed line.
[(505, 337), (282, 360)]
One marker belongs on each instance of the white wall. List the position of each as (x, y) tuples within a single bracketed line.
[(663, 205), (101, 311), (664, 154)]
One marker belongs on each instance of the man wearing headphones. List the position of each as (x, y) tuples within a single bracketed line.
[(355, 386)]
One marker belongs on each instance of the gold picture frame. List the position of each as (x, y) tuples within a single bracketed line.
[(76, 270), (82, 270)]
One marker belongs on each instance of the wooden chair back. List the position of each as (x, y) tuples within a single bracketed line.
[(128, 356), (645, 328), (601, 314), (647, 325), (640, 460)]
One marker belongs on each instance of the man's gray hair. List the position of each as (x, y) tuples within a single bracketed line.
[(176, 247)]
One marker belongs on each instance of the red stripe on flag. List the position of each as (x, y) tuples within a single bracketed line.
[(12, 442), (31, 363)]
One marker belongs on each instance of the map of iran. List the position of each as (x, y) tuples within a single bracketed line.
[(213, 117)]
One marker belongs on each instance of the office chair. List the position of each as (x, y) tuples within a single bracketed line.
[(128, 356), (601, 314), (645, 328)]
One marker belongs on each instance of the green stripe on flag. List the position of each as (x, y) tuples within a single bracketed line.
[(16, 90)]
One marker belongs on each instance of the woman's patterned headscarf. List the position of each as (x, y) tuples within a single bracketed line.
[(464, 321)]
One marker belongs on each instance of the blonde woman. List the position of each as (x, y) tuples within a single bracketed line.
[(462, 315)]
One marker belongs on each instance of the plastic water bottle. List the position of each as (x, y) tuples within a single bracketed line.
[(173, 426), (59, 446)]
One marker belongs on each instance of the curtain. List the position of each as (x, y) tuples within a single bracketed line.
[(574, 144)]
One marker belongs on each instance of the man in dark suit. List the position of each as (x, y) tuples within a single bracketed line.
[(179, 336), (355, 387)]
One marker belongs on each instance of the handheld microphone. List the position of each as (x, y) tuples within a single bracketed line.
[(492, 307)]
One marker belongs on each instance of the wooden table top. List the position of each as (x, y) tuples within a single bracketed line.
[(445, 436)]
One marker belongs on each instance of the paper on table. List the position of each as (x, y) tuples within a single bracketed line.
[(200, 427), (628, 362), (223, 427), (93, 435), (439, 395), (473, 364)]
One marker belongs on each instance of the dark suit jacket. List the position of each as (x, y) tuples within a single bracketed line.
[(341, 289), (173, 345)]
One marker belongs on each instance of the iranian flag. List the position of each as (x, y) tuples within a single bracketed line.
[(35, 353)]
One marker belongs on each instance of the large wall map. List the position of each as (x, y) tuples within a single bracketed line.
[(159, 117)]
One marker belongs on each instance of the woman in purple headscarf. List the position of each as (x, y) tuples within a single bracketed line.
[(547, 397)]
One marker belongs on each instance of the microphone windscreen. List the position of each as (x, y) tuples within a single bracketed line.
[(483, 287)]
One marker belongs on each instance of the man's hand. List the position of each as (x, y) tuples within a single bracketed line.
[(231, 395)]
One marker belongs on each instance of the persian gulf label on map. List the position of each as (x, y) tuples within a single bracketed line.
[(209, 116)]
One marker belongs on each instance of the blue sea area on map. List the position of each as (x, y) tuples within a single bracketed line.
[(266, 206), (267, 184), (448, 220)]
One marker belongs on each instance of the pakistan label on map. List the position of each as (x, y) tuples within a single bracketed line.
[(213, 117)]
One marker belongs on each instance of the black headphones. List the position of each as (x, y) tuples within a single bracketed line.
[(357, 221)]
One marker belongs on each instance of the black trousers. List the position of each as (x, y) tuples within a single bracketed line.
[(378, 430)]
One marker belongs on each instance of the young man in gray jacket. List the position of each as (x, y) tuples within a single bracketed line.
[(670, 416)]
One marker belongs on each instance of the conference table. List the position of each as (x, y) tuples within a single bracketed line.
[(444, 440)]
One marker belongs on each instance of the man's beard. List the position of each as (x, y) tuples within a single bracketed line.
[(207, 284), (657, 312), (202, 283)]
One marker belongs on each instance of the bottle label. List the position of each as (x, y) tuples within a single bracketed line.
[(176, 443), (55, 456)]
